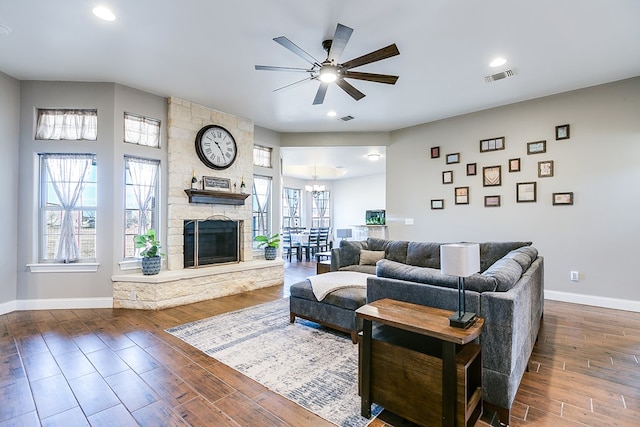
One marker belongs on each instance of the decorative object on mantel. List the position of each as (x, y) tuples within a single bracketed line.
[(243, 187), (562, 132), (216, 184), (194, 180), (492, 144), (215, 197), (270, 244), (151, 255)]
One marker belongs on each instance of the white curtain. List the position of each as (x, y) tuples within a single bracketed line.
[(141, 130), (262, 192), (144, 175), (68, 173), (67, 124)]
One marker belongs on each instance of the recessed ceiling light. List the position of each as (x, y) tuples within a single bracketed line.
[(497, 62), (332, 113), (374, 156), (104, 13)]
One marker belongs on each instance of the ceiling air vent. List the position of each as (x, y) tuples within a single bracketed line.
[(500, 76), (347, 118)]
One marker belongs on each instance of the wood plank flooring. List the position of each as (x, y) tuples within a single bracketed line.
[(118, 367)]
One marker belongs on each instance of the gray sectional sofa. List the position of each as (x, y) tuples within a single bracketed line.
[(508, 293)]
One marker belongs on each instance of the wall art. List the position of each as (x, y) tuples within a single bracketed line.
[(447, 177), (526, 192), (545, 169), (563, 198), (462, 195), (514, 165), (471, 169), (216, 184), (491, 176), (492, 144), (536, 147), (491, 201), (562, 132), (437, 204), (453, 158), (435, 152)]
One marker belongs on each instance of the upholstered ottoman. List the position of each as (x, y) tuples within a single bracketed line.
[(341, 294)]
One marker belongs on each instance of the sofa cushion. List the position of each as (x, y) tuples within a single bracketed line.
[(369, 269), (491, 252), (506, 272), (395, 250), (350, 252), (370, 257), (423, 254), (349, 298), (523, 256)]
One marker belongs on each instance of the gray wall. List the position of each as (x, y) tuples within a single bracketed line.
[(597, 236), (9, 141), (111, 100)]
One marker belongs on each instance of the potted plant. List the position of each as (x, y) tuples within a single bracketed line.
[(270, 244), (151, 255)]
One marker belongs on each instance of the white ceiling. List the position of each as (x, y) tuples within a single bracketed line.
[(205, 51)]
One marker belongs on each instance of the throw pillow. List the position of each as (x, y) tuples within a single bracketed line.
[(370, 257)]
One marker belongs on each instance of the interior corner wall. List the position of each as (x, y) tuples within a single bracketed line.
[(9, 141), (354, 196), (596, 236), (270, 138)]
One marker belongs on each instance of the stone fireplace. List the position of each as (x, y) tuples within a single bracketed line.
[(179, 283)]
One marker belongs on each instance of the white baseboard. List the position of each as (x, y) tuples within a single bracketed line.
[(56, 303), (605, 302)]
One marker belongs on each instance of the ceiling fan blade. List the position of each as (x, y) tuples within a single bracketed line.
[(270, 68), (294, 84), (322, 91), (352, 91), (285, 42), (378, 78), (340, 39), (378, 55)]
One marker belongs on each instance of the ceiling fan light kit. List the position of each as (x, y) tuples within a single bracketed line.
[(330, 70)]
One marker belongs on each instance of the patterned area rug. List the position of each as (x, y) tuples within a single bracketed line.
[(306, 363)]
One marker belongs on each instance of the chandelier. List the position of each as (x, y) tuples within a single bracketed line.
[(316, 188)]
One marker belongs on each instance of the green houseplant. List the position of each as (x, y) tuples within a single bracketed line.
[(270, 244), (151, 255)]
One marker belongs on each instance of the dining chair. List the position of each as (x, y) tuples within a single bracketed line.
[(288, 247), (311, 246)]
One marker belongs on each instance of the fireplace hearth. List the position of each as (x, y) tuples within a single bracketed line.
[(211, 241)]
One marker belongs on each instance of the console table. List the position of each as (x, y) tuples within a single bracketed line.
[(418, 366)]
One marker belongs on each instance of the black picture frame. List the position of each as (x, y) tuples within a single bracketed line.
[(453, 158), (545, 169), (537, 147), (472, 169), (492, 176), (526, 192), (514, 165), (213, 183), (435, 152), (461, 195), (565, 198), (562, 132), (447, 177), (437, 204), (492, 144), (492, 201)]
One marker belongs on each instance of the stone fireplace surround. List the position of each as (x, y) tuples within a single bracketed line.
[(177, 285)]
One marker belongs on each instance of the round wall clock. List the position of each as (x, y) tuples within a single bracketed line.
[(216, 147)]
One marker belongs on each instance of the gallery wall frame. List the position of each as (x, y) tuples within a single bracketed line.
[(492, 176), (565, 198), (447, 177), (526, 192), (437, 204), (472, 169), (492, 144), (435, 152), (453, 158), (545, 169), (562, 132), (536, 147), (492, 201), (462, 195), (514, 165)]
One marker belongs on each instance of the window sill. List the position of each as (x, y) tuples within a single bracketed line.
[(75, 267), (130, 264)]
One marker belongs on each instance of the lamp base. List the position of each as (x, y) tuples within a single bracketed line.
[(467, 319)]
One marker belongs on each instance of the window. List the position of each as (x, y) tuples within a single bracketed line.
[(141, 130), (320, 212), (262, 156), (67, 124), (290, 207), (261, 195), (68, 194), (141, 196)]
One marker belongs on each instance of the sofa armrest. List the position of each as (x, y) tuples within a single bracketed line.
[(335, 259)]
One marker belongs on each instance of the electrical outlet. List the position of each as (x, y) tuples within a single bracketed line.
[(575, 276), (132, 296)]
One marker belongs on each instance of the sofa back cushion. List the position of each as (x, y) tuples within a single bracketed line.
[(424, 254), (523, 256), (395, 250), (491, 252), (350, 252), (506, 272)]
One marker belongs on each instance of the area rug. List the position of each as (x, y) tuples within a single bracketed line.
[(308, 364)]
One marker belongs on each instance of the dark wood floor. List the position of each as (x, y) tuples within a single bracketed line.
[(118, 367)]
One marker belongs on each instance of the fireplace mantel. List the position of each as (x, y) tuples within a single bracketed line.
[(215, 197)]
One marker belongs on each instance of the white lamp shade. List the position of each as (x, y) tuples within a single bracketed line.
[(460, 259), (344, 232)]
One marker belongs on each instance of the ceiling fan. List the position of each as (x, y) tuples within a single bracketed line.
[(330, 70)]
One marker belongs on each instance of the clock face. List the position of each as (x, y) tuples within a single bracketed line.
[(216, 147)]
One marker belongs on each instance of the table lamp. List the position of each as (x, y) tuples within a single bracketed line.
[(344, 233), (462, 260)]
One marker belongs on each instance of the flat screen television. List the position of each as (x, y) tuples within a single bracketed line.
[(375, 217)]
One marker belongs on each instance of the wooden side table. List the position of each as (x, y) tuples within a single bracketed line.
[(402, 376), (323, 262)]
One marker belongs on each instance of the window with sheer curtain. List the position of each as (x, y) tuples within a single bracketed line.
[(68, 194), (65, 124), (290, 207), (141, 130), (320, 212), (141, 200), (261, 195)]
